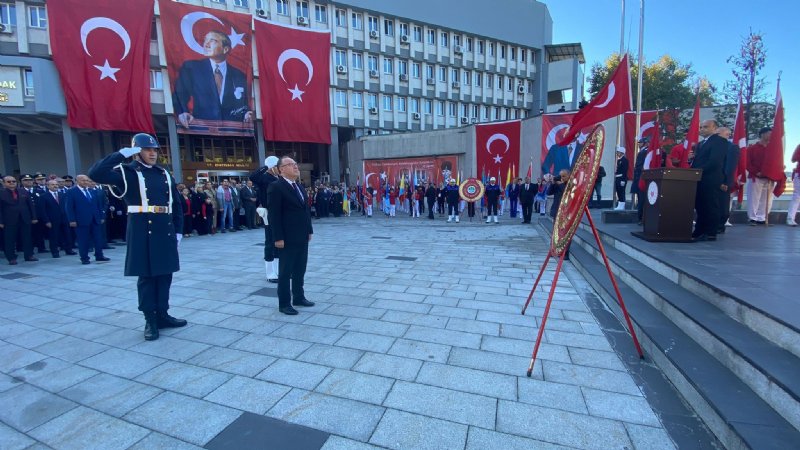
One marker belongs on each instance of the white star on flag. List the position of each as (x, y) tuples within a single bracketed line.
[(236, 38), (497, 159), (296, 93), (106, 71)]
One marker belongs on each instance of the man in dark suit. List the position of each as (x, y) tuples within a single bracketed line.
[(85, 215), (527, 192), (290, 221), (249, 201), (263, 177), (218, 91), (729, 173), (709, 156), (17, 214), (430, 195), (53, 216)]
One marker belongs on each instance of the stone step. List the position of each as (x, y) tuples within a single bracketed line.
[(729, 406)]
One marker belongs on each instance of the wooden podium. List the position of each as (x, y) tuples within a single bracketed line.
[(668, 204)]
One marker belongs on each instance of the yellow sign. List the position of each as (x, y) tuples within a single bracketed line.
[(10, 86)]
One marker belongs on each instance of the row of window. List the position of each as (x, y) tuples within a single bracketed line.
[(403, 104), (37, 15)]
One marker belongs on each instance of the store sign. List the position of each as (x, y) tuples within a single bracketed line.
[(11, 88)]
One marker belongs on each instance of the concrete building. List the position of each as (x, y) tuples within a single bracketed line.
[(396, 67)]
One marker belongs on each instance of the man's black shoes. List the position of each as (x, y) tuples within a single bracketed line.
[(288, 310), (167, 321), (303, 302), (151, 329)]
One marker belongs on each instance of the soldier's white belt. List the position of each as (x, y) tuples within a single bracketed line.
[(149, 209)]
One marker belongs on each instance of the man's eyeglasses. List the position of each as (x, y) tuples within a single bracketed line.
[(289, 164), (11, 181)]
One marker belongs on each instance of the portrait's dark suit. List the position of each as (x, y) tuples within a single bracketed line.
[(558, 158), (196, 82), (16, 215), (88, 214), (709, 156), (290, 221)]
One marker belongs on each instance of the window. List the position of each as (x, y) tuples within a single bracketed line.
[(417, 33), (485, 115), (242, 3), (454, 75), (260, 4), (358, 60), (37, 16), (443, 39), (489, 80), (388, 65), (516, 114), (388, 27), (341, 58), (8, 14), (282, 7), (372, 62), (524, 113), (507, 113), (156, 80), (387, 102), (530, 86), (452, 109), (523, 55), (456, 39), (341, 98), (372, 23), (415, 70), (464, 110), (469, 44), (491, 49), (372, 100), (478, 80), (509, 83), (497, 114), (475, 111), (29, 82), (513, 55), (432, 37), (414, 105), (440, 108), (357, 100), (480, 47), (402, 67), (443, 74), (302, 9), (321, 13), (499, 82), (503, 51), (341, 18), (357, 21), (401, 104), (428, 106), (403, 29), (467, 78), (218, 1)]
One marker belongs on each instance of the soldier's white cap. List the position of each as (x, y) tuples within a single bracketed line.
[(620, 149), (493, 179), (271, 161)]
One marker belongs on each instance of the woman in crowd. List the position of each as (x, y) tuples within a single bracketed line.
[(187, 212)]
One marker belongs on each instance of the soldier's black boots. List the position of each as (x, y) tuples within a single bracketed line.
[(150, 328), (167, 321)]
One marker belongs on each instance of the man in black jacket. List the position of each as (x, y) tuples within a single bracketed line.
[(430, 195), (729, 173), (262, 178), (527, 192), (709, 156), (290, 221), (621, 178), (17, 214)]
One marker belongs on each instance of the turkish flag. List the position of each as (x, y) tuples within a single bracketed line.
[(648, 127), (102, 52), (613, 100), (293, 67), (498, 146), (740, 139), (554, 127), (773, 157)]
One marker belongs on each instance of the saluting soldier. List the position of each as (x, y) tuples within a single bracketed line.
[(155, 222)]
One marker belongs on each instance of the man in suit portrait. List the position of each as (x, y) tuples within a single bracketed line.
[(217, 90), (290, 221), (560, 157), (709, 156), (85, 215)]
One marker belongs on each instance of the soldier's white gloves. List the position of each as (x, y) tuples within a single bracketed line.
[(129, 151), (179, 237)]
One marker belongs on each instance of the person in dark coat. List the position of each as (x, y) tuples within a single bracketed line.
[(556, 189), (85, 215), (709, 156), (250, 203), (53, 216), (513, 197), (155, 222), (262, 178), (450, 193), (17, 214), (492, 195), (336, 202), (731, 164), (200, 211), (430, 196), (527, 191), (290, 220), (621, 178), (638, 168)]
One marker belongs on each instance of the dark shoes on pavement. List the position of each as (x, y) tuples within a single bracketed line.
[(160, 320), (150, 329), (167, 321), (288, 310), (103, 258), (302, 302)]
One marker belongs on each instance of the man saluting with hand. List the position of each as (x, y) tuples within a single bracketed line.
[(155, 218)]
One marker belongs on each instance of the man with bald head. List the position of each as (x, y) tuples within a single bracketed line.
[(710, 157), (729, 182), (85, 215)]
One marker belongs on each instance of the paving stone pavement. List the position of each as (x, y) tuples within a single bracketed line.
[(429, 353)]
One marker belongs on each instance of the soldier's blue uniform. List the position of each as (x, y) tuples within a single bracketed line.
[(452, 197), (153, 222), (492, 198)]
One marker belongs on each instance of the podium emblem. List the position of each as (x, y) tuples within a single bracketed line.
[(652, 193)]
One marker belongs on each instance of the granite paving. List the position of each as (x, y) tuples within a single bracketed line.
[(423, 350)]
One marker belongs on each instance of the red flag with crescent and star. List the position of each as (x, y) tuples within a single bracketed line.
[(102, 52), (210, 65), (647, 128), (498, 146), (614, 99), (293, 67), (740, 139)]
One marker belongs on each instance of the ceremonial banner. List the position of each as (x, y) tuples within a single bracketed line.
[(210, 65), (102, 52), (773, 157), (647, 128), (436, 169), (498, 147), (293, 67), (740, 139), (554, 127)]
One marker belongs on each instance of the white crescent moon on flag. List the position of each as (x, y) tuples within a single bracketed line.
[(742, 142), (551, 136), (647, 160), (495, 137), (366, 180), (294, 53), (645, 127), (187, 29), (110, 24), (612, 90)]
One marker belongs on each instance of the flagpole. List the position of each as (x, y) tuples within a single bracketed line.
[(621, 50), (641, 73)]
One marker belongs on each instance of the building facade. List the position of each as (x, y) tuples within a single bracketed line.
[(395, 67)]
